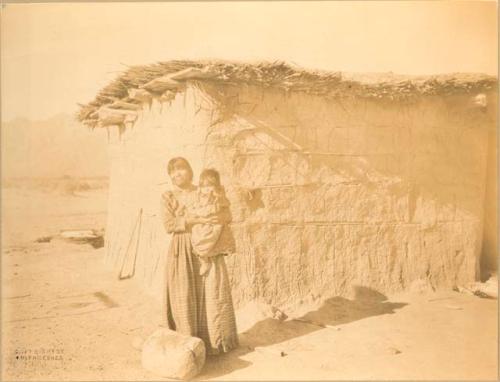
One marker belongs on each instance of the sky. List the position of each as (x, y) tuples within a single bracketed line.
[(54, 56)]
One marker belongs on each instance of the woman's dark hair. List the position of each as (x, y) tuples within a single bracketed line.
[(179, 161), (212, 175)]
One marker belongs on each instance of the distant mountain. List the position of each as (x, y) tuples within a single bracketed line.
[(53, 147)]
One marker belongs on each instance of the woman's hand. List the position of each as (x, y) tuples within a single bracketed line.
[(191, 220)]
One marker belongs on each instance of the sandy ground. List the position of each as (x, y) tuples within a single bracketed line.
[(59, 304)]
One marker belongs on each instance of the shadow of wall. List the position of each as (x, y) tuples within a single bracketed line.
[(268, 332)]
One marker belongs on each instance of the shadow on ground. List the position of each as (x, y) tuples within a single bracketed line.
[(334, 311)]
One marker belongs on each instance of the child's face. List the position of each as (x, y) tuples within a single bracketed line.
[(206, 187)]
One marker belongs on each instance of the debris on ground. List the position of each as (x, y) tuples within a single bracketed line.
[(279, 315), (321, 325), (90, 236), (82, 234), (488, 289), (393, 350), (256, 311), (271, 351), (44, 239), (18, 249)]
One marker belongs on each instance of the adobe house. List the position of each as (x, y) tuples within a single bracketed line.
[(334, 179)]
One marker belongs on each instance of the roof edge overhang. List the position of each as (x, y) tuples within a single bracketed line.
[(119, 102)]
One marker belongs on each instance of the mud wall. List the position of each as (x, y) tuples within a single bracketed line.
[(325, 194), (136, 242), (333, 193)]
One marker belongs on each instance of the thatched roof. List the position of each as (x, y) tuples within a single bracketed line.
[(133, 87)]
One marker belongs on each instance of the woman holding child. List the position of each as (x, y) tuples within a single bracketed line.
[(197, 299)]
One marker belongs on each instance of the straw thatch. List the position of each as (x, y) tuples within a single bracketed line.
[(140, 84)]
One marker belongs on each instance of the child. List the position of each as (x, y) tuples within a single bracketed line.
[(206, 238)]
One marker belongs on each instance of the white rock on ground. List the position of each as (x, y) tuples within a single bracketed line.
[(172, 355)]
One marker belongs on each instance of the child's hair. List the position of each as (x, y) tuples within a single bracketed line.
[(211, 176)]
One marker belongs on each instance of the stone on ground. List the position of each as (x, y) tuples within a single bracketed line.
[(170, 354)]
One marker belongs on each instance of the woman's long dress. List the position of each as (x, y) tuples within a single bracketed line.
[(199, 306), (217, 321), (182, 292)]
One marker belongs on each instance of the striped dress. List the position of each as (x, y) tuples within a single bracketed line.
[(198, 306)]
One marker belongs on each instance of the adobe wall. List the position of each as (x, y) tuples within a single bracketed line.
[(353, 192), (325, 194), (139, 156)]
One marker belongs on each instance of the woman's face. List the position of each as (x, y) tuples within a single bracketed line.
[(180, 175)]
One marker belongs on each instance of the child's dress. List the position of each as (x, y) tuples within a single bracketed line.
[(207, 239)]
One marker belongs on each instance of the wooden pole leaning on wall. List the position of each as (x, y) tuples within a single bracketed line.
[(137, 228)]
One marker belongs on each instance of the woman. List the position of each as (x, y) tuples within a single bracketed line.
[(193, 305)]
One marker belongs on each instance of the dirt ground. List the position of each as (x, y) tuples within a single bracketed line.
[(65, 318)]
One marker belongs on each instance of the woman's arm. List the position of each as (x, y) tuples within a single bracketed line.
[(175, 222)]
